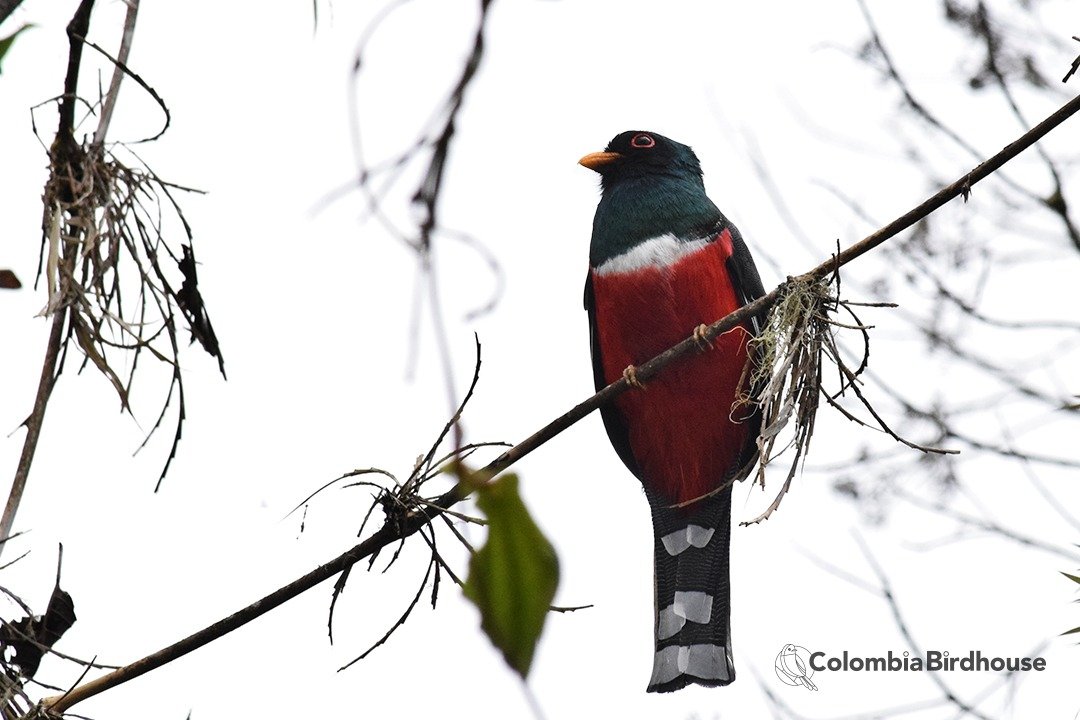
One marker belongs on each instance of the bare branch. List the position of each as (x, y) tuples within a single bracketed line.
[(65, 143), (33, 426), (902, 626), (118, 74), (1075, 64), (983, 525)]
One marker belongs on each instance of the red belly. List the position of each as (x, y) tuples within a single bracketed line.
[(681, 432)]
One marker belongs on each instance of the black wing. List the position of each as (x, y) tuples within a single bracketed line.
[(747, 284), (614, 422), (744, 274)]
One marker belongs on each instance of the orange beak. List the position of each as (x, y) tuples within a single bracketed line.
[(595, 161)]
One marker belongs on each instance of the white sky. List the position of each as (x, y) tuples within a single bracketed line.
[(312, 311)]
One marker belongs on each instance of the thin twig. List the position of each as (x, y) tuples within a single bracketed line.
[(400, 621), (987, 526), (1075, 64), (118, 74), (901, 624), (33, 425)]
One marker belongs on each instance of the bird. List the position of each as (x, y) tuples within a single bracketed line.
[(791, 669), (663, 263)]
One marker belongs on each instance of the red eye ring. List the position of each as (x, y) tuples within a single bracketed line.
[(641, 140)]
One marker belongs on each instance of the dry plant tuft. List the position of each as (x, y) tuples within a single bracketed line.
[(107, 253), (787, 383), (107, 263), (787, 378)]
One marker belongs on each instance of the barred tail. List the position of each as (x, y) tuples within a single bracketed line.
[(693, 614)]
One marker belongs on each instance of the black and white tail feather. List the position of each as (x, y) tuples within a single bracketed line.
[(692, 591)]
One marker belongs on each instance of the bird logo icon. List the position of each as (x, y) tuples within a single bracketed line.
[(793, 666)]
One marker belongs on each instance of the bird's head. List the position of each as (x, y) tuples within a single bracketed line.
[(652, 186), (638, 154)]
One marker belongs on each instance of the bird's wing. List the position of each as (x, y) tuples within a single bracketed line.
[(747, 284), (744, 275), (614, 422), (801, 665), (791, 664)]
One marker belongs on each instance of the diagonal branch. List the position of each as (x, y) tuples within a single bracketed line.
[(402, 527)]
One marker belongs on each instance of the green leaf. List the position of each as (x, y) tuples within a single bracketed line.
[(1070, 632), (5, 43), (513, 577), (1074, 578)]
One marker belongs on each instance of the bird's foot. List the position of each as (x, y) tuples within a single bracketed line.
[(700, 338), (630, 376)]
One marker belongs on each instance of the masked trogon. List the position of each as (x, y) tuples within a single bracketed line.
[(663, 261)]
